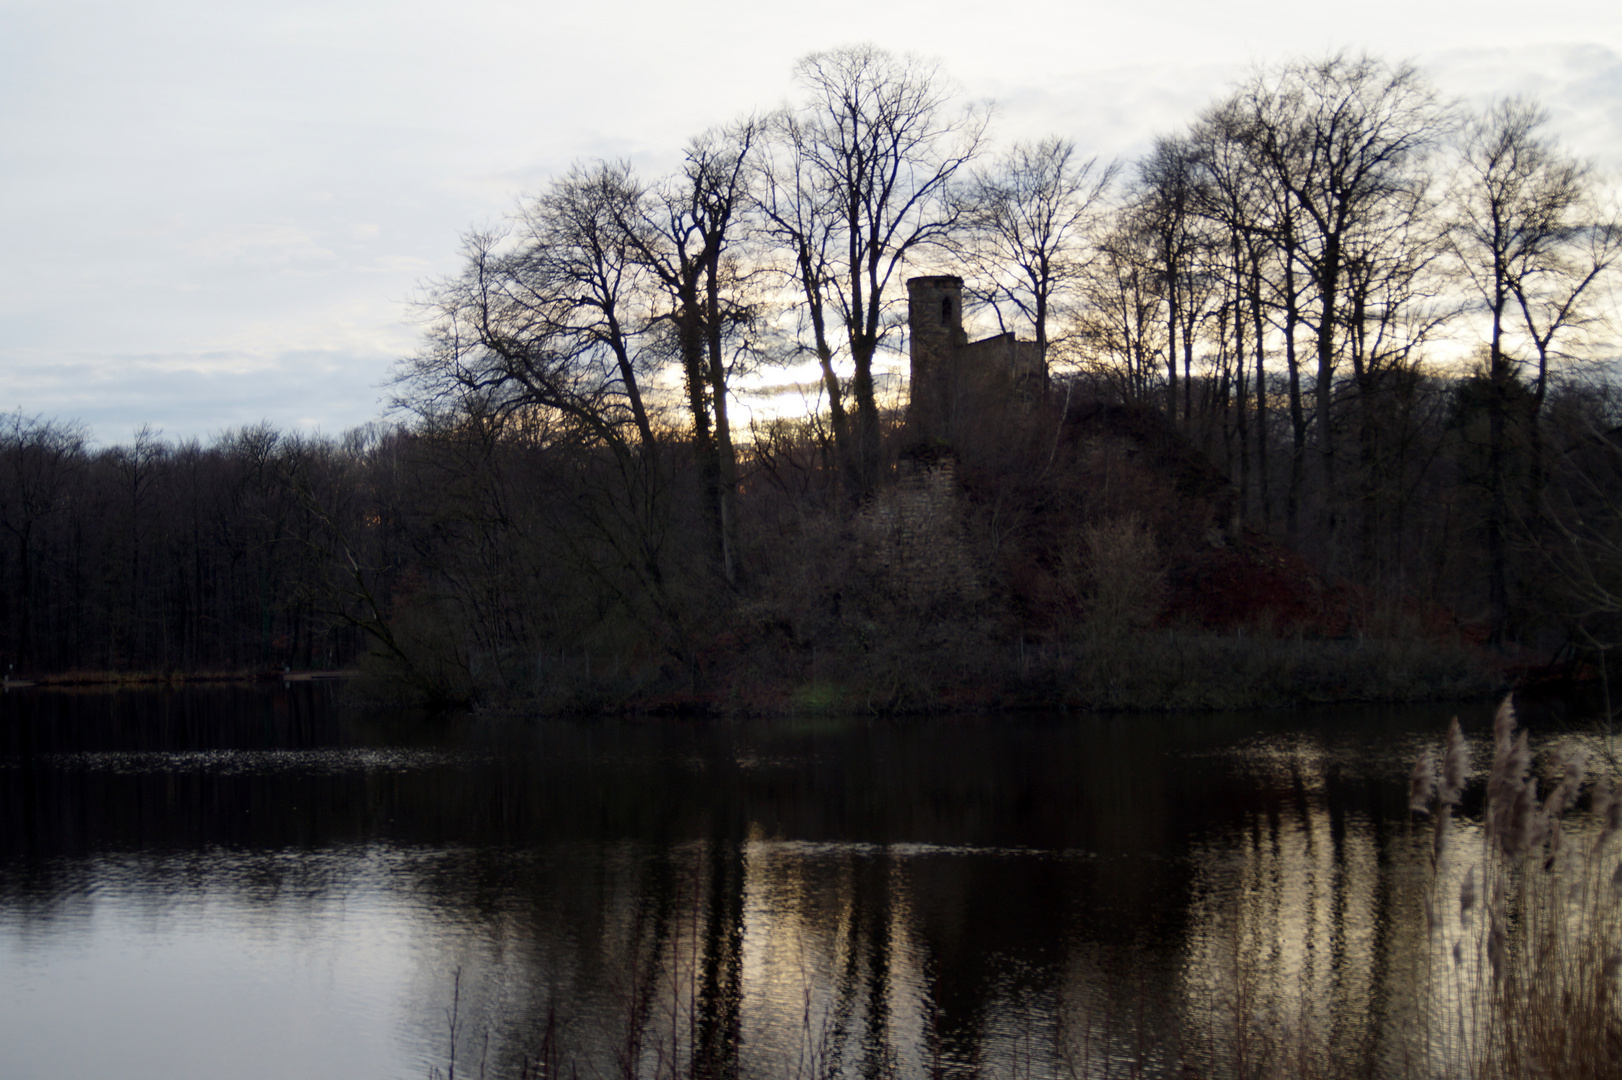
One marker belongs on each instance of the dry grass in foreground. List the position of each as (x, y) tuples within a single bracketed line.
[(1526, 930)]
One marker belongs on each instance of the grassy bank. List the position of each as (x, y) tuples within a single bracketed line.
[(951, 667), (905, 669), (115, 679)]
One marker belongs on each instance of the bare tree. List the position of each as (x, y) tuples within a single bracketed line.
[(1121, 330), (682, 233), (1533, 242), (1235, 198), (795, 211), (547, 324), (857, 185), (1345, 141), (138, 466), (545, 338), (1164, 209), (1032, 217), (38, 458), (1395, 301)]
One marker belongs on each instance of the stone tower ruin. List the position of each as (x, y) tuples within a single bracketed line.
[(935, 325), (955, 383)]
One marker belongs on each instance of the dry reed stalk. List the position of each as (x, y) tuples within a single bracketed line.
[(1539, 998), (1421, 785), (1455, 764)]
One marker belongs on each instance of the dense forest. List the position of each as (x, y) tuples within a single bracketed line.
[(1329, 410)]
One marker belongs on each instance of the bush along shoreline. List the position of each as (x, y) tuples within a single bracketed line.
[(952, 671), (1200, 445)]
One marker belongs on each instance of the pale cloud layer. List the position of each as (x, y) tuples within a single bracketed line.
[(219, 212)]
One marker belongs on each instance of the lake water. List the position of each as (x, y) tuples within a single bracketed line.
[(252, 882)]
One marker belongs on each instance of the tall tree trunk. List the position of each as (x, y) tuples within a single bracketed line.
[(696, 375), (1367, 485), (1498, 500), (1537, 478), (1298, 420), (1328, 284), (1241, 385), (1171, 343), (864, 339), (1261, 391), (825, 354), (726, 458)]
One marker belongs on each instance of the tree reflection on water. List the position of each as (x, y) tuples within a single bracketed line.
[(1031, 896)]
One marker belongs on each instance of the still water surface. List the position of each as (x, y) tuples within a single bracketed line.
[(256, 883)]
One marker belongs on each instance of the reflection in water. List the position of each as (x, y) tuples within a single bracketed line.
[(259, 875), (1291, 920)]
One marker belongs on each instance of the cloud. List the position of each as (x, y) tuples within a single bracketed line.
[(196, 395), (282, 247), (206, 199), (1579, 83)]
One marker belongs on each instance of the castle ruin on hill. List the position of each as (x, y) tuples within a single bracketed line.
[(956, 383), (911, 534)]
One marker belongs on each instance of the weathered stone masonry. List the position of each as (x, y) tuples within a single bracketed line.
[(912, 533), (956, 383)]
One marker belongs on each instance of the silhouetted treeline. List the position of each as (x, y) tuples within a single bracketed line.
[(1332, 362), (469, 561), (153, 556)]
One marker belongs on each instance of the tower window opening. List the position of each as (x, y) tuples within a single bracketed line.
[(946, 310)]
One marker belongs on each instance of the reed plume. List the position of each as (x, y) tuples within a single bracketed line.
[(1541, 998), (1572, 761), (1511, 793), (1421, 785), (1455, 764), (1503, 727)]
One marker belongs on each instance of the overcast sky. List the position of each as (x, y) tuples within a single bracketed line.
[(216, 212)]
